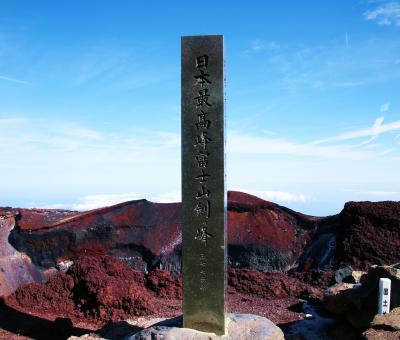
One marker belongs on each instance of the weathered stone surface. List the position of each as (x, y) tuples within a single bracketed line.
[(390, 320), (16, 268), (204, 243), (87, 337), (343, 273), (357, 275), (380, 334), (239, 327)]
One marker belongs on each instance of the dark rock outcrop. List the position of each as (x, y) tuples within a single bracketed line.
[(261, 235), (363, 234), (139, 232), (369, 234)]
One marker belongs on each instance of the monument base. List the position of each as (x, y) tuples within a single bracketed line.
[(238, 327)]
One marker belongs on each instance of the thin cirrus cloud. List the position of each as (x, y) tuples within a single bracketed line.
[(278, 196), (89, 202), (258, 45), (385, 107), (372, 132), (242, 143), (40, 135), (14, 80), (386, 15), (84, 133)]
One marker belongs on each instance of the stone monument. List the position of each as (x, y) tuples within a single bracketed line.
[(204, 209), (203, 183)]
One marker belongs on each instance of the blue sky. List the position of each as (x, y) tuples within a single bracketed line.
[(90, 100)]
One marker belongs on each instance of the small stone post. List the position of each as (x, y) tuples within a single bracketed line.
[(384, 296)]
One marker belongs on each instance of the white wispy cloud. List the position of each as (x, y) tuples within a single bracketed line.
[(82, 132), (372, 132), (387, 14), (278, 196), (258, 45), (243, 143), (12, 121), (103, 200), (166, 197), (300, 67), (40, 135), (14, 80), (89, 202), (385, 107)]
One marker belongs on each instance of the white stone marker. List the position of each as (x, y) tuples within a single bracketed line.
[(384, 296)]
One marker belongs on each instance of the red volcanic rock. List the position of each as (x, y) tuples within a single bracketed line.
[(56, 295), (33, 219), (269, 285), (137, 231), (106, 288), (261, 235), (369, 234), (146, 234), (259, 230), (164, 284), (252, 220), (97, 288), (316, 278), (150, 225)]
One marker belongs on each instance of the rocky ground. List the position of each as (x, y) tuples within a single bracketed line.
[(97, 292), (68, 273)]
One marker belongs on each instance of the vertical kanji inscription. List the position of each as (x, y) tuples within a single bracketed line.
[(203, 183)]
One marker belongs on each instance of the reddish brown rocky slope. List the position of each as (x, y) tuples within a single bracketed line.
[(145, 235)]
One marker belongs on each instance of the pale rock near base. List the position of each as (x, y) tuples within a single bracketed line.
[(387, 321), (239, 327)]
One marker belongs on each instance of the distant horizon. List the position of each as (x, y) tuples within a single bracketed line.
[(90, 101), (89, 203)]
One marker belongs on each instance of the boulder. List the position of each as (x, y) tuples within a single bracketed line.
[(87, 337), (239, 327), (360, 305), (356, 275), (16, 268), (388, 321), (343, 274), (380, 334), (336, 298)]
